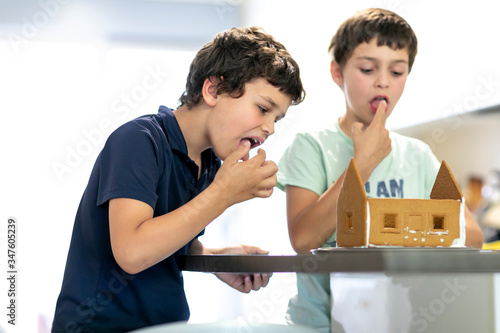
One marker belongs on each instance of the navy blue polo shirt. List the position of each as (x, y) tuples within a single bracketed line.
[(145, 159)]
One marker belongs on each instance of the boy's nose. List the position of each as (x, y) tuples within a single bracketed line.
[(268, 127), (382, 81)]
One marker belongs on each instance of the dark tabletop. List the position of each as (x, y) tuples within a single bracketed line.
[(392, 260)]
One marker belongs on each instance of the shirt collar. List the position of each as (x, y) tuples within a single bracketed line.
[(173, 131)]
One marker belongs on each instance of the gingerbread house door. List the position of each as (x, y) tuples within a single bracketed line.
[(413, 236)]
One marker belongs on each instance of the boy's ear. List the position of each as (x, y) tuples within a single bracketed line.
[(209, 90), (336, 73)]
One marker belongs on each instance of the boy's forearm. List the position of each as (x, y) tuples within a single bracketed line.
[(157, 238), (473, 233), (204, 208), (190, 219), (150, 240), (317, 222)]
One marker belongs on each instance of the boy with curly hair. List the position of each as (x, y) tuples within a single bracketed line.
[(158, 182)]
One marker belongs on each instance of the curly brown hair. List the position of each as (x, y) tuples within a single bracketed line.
[(236, 57), (389, 28)]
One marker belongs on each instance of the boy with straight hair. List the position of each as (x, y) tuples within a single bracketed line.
[(158, 182), (372, 54)]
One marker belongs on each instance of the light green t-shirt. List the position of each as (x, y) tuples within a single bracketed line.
[(314, 161)]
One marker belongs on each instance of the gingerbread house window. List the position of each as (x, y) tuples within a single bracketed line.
[(390, 221), (438, 222), (348, 221)]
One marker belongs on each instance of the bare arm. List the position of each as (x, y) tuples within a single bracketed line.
[(241, 282), (473, 233), (139, 241), (312, 219)]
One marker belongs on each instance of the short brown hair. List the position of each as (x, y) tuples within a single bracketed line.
[(389, 28), (236, 57)]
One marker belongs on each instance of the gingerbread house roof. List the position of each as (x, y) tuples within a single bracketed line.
[(445, 186)]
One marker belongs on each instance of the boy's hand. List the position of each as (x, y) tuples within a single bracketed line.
[(240, 181), (243, 282), (371, 144)]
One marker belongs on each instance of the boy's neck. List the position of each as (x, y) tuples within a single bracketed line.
[(343, 126), (346, 121), (346, 126), (193, 124)]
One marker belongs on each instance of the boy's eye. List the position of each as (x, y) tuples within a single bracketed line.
[(397, 73), (365, 70), (262, 109)]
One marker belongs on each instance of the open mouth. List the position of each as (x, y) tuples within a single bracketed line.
[(375, 102), (253, 142)]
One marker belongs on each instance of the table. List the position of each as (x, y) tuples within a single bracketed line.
[(390, 289), (388, 260)]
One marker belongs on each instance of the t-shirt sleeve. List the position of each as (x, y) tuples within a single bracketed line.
[(431, 167), (418, 155), (130, 165), (302, 165)]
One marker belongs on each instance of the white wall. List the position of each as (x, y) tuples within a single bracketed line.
[(455, 69), (469, 143)]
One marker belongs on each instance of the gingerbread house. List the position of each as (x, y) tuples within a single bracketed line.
[(377, 222)]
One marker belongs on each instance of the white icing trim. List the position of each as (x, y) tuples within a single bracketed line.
[(460, 242), (367, 223), (440, 233)]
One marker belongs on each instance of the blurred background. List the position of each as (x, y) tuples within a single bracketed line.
[(72, 71)]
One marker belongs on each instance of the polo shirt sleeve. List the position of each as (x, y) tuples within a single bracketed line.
[(131, 164), (302, 165)]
